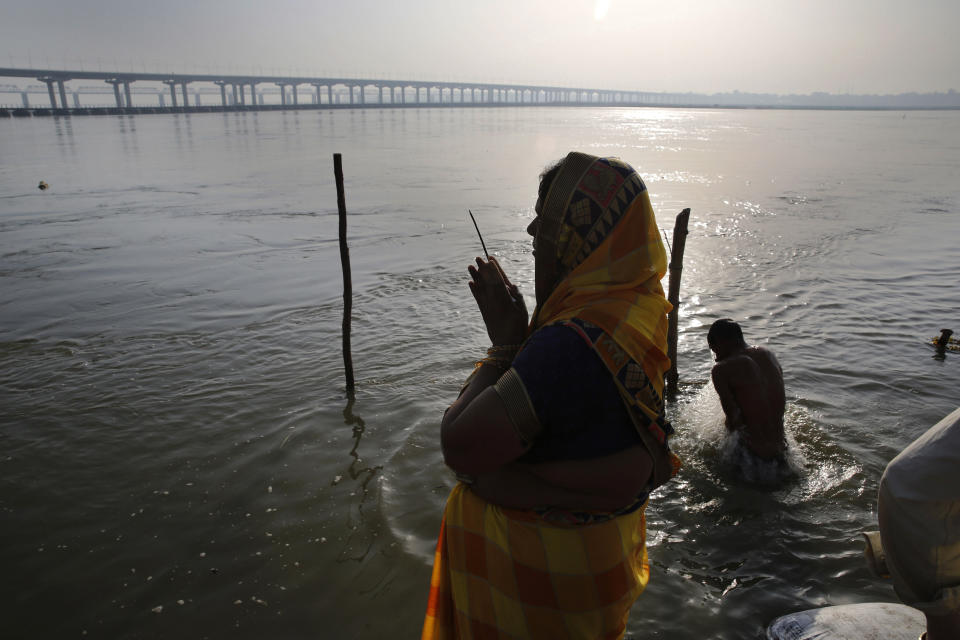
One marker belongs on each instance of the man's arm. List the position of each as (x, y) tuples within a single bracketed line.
[(721, 382)]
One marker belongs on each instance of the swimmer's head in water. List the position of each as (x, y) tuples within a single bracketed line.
[(725, 333)]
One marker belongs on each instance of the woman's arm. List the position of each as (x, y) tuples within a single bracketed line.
[(476, 433), (606, 483)]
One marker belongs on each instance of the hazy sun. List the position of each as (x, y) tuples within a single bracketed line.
[(600, 10)]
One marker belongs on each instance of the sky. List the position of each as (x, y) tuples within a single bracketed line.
[(701, 46)]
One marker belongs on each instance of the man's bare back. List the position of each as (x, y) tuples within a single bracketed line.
[(749, 381)]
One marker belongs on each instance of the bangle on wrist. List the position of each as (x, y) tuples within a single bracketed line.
[(503, 350), (500, 363)]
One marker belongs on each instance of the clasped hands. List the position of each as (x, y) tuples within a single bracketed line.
[(501, 304)]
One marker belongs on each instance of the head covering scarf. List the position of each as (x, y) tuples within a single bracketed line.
[(597, 221)]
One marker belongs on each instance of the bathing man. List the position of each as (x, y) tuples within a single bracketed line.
[(749, 381)]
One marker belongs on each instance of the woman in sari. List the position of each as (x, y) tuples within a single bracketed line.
[(559, 435)]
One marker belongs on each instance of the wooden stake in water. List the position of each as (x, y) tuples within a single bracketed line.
[(676, 267), (345, 265), (482, 243)]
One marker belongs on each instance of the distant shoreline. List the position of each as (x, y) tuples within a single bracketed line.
[(21, 112)]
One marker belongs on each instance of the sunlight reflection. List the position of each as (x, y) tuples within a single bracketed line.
[(600, 10)]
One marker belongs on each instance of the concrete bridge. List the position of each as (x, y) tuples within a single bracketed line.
[(293, 92)]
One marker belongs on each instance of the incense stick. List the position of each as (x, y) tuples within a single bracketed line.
[(482, 243)]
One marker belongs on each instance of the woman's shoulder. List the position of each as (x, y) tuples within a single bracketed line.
[(560, 333), (556, 345), (558, 359)]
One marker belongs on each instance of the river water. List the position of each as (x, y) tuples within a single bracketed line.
[(177, 454)]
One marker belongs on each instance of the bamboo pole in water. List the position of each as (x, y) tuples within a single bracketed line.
[(345, 265), (676, 267)]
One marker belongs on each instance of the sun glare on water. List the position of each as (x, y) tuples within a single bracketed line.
[(600, 10)]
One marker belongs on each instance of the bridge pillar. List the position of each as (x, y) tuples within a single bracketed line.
[(116, 91), (63, 94), (223, 91), (126, 93), (53, 97), (76, 99), (243, 94), (196, 99), (26, 100), (173, 92), (329, 94), (381, 93), (253, 93), (295, 100)]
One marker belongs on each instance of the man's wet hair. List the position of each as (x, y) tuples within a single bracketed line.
[(725, 330)]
